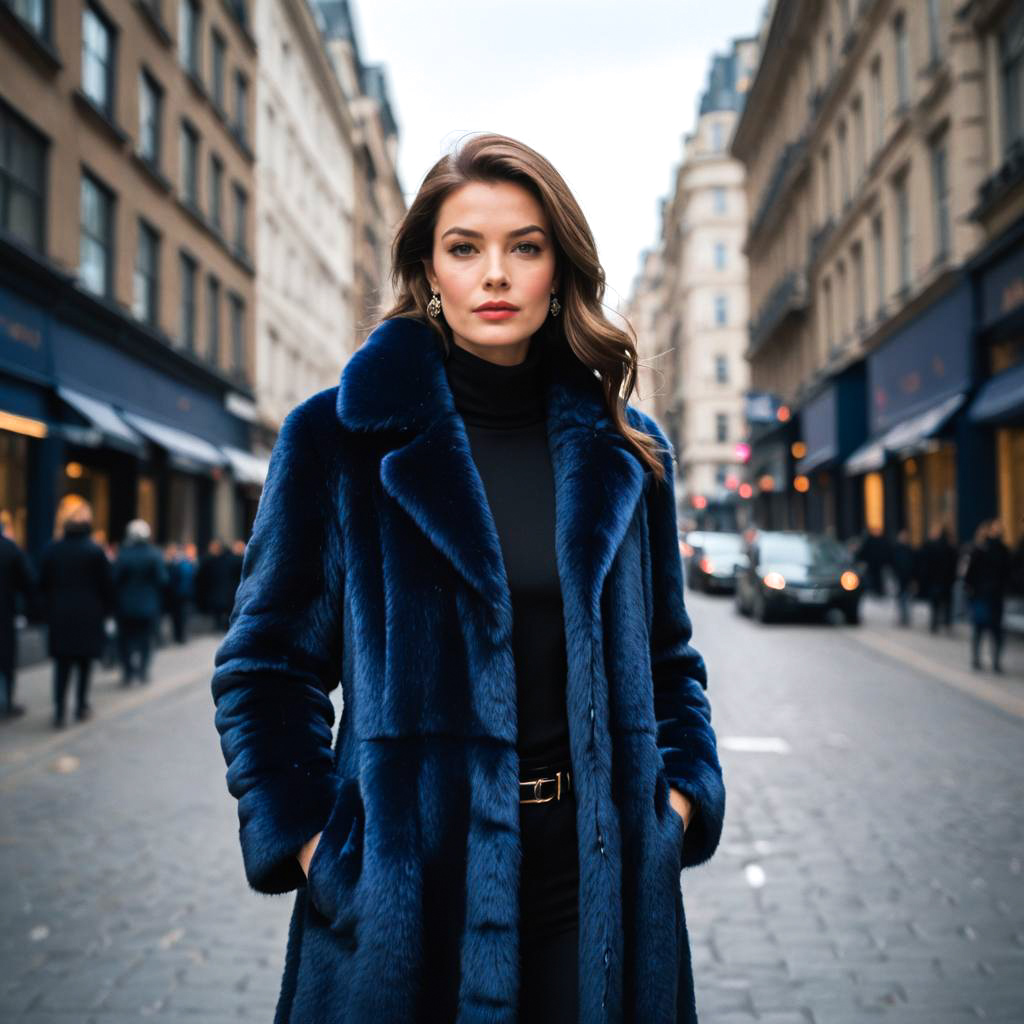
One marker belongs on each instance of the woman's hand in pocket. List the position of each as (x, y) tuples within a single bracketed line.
[(306, 853), (681, 804)]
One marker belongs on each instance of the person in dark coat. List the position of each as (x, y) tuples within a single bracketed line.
[(180, 589), (216, 582), (986, 582), (873, 552), (139, 579), (389, 556), (77, 592), (937, 573), (17, 578), (903, 559)]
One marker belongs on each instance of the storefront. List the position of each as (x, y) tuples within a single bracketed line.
[(998, 408), (833, 424), (917, 385)]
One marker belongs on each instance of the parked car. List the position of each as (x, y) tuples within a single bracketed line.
[(792, 572), (714, 560)]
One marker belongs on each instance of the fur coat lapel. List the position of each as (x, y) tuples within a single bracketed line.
[(397, 382)]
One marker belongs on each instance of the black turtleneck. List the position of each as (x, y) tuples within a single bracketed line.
[(504, 413)]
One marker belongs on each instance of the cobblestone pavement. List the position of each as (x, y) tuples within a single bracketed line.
[(870, 868)]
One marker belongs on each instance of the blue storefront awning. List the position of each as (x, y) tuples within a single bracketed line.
[(1000, 399), (907, 436), (105, 426), (246, 468), (184, 450)]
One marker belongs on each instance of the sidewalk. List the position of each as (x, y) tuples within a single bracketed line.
[(946, 656), (23, 740)]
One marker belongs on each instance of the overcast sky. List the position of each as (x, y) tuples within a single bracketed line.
[(606, 91)]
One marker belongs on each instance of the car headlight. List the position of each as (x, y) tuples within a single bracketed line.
[(775, 581), (849, 580)]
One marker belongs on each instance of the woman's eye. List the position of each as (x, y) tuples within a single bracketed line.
[(533, 247), (460, 245)]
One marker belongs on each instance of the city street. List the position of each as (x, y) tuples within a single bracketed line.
[(871, 865)]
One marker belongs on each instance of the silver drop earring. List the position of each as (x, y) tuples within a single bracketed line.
[(556, 306), (434, 305)]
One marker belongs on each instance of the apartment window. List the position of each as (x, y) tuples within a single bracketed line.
[(717, 136), (842, 325), (189, 163), (844, 163), (1011, 53), (901, 48), (830, 54), (903, 236), (860, 144), (719, 255), (878, 243), (721, 427), (241, 106), (218, 50), (147, 268), (934, 35), (35, 14), (940, 189), (859, 298), (241, 207), (187, 308), (188, 35), (22, 179), (877, 106), (826, 290), (216, 186), (213, 320), (718, 199), (151, 102), (722, 369), (98, 59), (237, 308), (721, 310), (96, 244)]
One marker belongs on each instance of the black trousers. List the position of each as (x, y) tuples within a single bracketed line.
[(135, 636), (62, 677), (7, 671), (549, 910)]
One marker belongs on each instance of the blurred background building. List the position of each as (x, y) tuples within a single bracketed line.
[(884, 147), (149, 347), (690, 302)]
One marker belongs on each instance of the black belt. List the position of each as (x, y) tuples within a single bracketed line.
[(542, 790)]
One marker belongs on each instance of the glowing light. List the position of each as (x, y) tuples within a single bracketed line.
[(73, 470), (775, 581), (849, 580), (801, 484), (798, 449)]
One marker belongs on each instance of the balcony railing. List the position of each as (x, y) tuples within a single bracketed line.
[(788, 158), (788, 298), (996, 187)]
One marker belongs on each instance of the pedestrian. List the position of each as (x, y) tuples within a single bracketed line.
[(17, 579), (180, 589), (476, 537), (77, 593), (986, 581), (873, 552), (217, 580), (139, 580), (903, 559), (937, 577)]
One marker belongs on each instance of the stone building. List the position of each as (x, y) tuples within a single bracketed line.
[(126, 266)]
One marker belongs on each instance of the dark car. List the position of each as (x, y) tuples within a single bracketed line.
[(713, 561), (790, 572)]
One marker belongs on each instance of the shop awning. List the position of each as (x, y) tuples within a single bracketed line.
[(815, 459), (1001, 398), (186, 451), (105, 426), (907, 436), (246, 467)]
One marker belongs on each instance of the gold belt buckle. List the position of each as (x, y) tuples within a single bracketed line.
[(536, 783)]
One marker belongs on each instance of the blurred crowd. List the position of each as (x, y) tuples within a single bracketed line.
[(981, 574), (107, 603)]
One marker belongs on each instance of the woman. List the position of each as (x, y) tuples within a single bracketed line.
[(77, 592), (498, 611)]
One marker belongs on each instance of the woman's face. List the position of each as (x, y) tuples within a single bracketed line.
[(492, 244)]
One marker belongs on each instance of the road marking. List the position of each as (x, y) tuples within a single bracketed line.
[(755, 744), (957, 678)]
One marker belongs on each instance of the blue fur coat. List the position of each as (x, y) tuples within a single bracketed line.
[(375, 565)]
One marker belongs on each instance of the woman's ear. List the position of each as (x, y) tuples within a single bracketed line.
[(428, 269)]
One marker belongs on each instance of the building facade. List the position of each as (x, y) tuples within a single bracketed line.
[(872, 135), (693, 294), (126, 266), (306, 176)]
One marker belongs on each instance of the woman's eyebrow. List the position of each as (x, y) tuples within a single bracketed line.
[(478, 234)]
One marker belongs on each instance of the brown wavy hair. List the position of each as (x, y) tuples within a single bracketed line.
[(595, 341)]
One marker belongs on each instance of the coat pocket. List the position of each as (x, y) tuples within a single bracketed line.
[(670, 818), (337, 862)]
